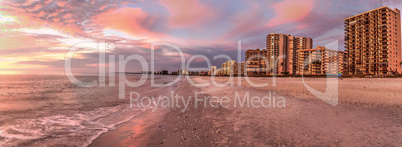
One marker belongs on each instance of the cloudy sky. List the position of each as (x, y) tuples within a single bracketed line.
[(35, 35)]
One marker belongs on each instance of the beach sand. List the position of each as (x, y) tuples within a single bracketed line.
[(368, 114)]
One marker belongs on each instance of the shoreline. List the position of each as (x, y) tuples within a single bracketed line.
[(134, 132), (165, 127)]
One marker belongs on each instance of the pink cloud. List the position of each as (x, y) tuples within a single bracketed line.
[(243, 20), (187, 13), (62, 3), (299, 27), (133, 21), (13, 40), (290, 11)]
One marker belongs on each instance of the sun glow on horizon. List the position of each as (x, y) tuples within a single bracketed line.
[(6, 19), (40, 32)]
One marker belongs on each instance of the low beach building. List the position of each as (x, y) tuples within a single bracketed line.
[(319, 61), (256, 62)]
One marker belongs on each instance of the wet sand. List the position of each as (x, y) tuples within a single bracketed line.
[(133, 133), (368, 114)]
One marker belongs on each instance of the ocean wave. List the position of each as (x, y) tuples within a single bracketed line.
[(51, 130)]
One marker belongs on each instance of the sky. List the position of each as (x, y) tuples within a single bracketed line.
[(35, 35)]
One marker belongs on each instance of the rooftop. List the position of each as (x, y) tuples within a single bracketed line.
[(371, 11)]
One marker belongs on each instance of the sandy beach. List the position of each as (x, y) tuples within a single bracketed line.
[(134, 73), (368, 114)]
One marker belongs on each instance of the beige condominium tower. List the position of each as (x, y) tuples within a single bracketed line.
[(282, 51), (373, 42)]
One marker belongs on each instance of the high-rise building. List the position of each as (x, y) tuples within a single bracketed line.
[(373, 42), (303, 43), (319, 61), (256, 62), (277, 50), (281, 51), (300, 43), (290, 54)]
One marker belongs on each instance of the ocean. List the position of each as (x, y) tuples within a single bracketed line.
[(52, 111)]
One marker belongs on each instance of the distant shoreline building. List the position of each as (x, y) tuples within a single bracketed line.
[(319, 61), (373, 42), (183, 72), (202, 73), (231, 68), (212, 71)]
